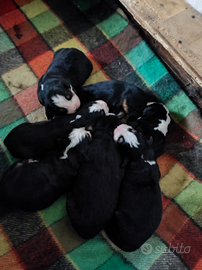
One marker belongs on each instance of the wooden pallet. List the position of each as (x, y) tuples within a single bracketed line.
[(174, 31)]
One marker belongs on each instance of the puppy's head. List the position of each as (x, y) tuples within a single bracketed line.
[(64, 98), (93, 106), (131, 144), (133, 106), (158, 115), (59, 97), (155, 109), (127, 137), (90, 113), (135, 101), (96, 111)]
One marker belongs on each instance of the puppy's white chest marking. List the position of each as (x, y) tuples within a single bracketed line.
[(150, 162), (163, 125), (75, 137)]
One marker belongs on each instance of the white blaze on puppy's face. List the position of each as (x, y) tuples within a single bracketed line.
[(70, 105), (75, 137), (98, 106), (125, 133)]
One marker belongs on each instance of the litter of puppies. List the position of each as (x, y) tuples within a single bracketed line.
[(99, 147)]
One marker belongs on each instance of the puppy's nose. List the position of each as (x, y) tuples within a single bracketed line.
[(118, 128), (77, 102)]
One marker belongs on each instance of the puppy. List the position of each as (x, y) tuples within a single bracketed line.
[(139, 209), (33, 140), (119, 95), (94, 196), (68, 70), (154, 123), (33, 185)]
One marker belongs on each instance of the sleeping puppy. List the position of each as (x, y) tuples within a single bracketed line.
[(154, 123), (94, 196), (68, 70), (33, 185), (33, 140), (139, 209), (119, 95)]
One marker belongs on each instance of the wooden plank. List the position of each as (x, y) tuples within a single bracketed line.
[(180, 51), (183, 30), (185, 26), (166, 8)]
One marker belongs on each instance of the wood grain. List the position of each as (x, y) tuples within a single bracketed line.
[(166, 9), (174, 31)]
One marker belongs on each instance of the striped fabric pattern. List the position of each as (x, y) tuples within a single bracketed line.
[(30, 32)]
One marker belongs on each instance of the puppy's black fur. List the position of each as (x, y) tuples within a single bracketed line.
[(154, 122), (119, 95), (94, 196), (68, 70), (139, 208), (35, 185), (33, 140)]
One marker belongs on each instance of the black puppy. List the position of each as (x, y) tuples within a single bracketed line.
[(139, 208), (154, 122), (68, 70), (33, 185), (119, 95), (94, 196), (33, 140)]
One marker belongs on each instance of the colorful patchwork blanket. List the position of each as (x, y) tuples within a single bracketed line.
[(30, 32)]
